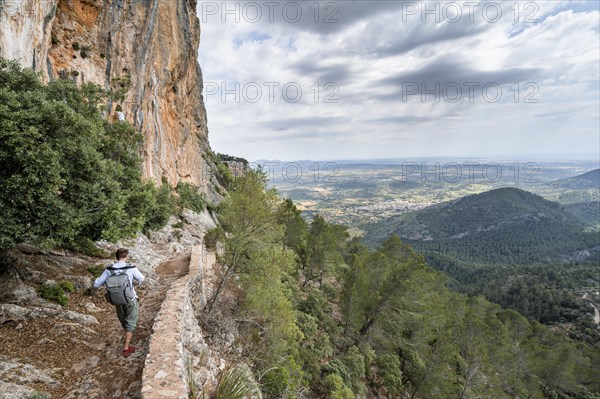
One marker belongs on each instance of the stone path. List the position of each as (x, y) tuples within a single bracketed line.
[(108, 374)]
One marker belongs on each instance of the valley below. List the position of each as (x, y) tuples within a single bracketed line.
[(523, 234)]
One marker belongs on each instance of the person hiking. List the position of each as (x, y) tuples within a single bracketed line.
[(118, 279)]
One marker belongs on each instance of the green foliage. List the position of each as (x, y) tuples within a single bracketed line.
[(265, 302), (501, 226), (518, 249), (75, 46), (389, 369), (190, 197), (225, 157), (150, 206), (212, 236), (283, 380), (67, 175), (96, 270), (323, 251), (334, 384), (237, 383), (102, 55), (318, 310), (356, 364), (85, 246), (54, 40), (253, 253), (67, 286), (54, 293), (224, 175), (295, 226)]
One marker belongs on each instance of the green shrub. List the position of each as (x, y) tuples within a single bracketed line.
[(329, 291), (355, 363), (237, 383), (336, 366), (314, 304), (76, 46), (388, 367), (68, 176), (96, 270), (53, 293), (224, 175), (86, 247), (75, 73), (283, 380), (67, 286), (160, 204), (336, 388), (190, 197), (212, 236), (84, 54), (118, 108), (55, 40), (102, 55), (214, 208)]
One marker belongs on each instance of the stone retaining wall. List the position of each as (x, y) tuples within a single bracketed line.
[(176, 336)]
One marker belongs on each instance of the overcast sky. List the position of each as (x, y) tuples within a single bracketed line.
[(335, 80)]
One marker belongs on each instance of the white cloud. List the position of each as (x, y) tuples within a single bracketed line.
[(371, 55)]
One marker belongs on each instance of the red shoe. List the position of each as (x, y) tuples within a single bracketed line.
[(127, 352)]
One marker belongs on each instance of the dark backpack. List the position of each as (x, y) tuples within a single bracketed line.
[(119, 290)]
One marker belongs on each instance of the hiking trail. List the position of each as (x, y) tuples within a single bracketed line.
[(75, 360)]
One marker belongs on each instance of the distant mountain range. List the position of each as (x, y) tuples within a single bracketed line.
[(581, 196), (586, 180)]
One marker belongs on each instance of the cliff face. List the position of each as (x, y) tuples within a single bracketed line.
[(145, 49)]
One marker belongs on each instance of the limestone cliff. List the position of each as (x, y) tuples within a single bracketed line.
[(145, 49)]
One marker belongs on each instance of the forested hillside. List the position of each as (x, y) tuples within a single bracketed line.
[(516, 248), (580, 195), (322, 315), (499, 226)]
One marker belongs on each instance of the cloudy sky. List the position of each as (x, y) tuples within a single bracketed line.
[(390, 79)]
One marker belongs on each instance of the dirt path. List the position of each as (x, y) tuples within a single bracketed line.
[(87, 361), (596, 310)]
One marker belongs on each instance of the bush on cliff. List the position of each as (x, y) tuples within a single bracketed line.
[(66, 173)]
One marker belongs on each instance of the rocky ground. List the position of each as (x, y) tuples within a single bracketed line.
[(74, 351)]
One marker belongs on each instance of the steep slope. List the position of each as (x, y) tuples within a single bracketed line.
[(147, 51), (74, 350), (502, 225)]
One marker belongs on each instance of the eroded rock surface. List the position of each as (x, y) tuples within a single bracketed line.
[(147, 50)]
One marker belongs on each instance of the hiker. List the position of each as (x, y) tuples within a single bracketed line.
[(118, 279)]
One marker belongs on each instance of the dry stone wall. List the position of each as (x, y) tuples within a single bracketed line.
[(177, 339)]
